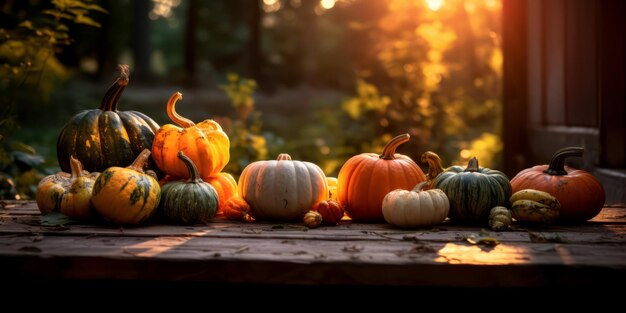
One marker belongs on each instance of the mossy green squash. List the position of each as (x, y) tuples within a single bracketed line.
[(105, 137)]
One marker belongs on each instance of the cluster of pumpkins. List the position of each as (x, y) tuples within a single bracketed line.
[(189, 158)]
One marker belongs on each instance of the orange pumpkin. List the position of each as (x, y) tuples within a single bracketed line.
[(580, 194), (331, 211), (226, 187), (364, 180), (204, 143)]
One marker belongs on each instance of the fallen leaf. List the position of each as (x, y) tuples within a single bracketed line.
[(546, 237), (482, 240)]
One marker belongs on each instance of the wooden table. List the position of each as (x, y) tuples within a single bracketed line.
[(350, 254)]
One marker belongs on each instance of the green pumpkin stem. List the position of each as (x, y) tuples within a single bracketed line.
[(109, 102), (434, 164), (171, 111), (420, 186), (392, 145), (557, 163), (77, 168), (283, 157), (140, 161), (194, 175), (472, 165)]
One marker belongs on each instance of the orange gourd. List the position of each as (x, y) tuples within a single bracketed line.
[(225, 185), (580, 194), (364, 180), (204, 143)]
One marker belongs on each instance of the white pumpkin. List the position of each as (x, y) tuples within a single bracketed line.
[(415, 208), (282, 189)]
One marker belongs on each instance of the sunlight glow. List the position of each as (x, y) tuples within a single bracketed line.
[(453, 253), (434, 5), (163, 8), (270, 6), (161, 245), (327, 4)]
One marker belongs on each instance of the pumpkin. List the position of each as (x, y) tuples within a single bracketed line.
[(365, 179), (415, 208), (434, 167), (473, 191), (204, 143), (188, 202), (106, 137), (332, 188), (236, 208), (69, 194), (312, 219), (225, 185), (282, 189), (126, 195), (580, 194), (331, 211)]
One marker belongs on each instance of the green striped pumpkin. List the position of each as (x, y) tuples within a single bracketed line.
[(126, 195), (190, 201), (473, 191), (105, 137)]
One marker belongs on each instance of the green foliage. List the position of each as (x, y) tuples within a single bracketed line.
[(29, 71), (246, 142), (440, 78)]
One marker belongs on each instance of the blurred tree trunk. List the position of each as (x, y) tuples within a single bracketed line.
[(142, 47), (254, 43), (191, 61), (307, 41)]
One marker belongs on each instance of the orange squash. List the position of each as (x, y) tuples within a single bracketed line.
[(204, 143), (580, 194), (364, 180), (225, 185)]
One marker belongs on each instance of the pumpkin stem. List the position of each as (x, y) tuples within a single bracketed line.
[(434, 164), (557, 163), (194, 175), (171, 111), (420, 186), (109, 102), (392, 145), (283, 157), (472, 165), (77, 168), (140, 161)]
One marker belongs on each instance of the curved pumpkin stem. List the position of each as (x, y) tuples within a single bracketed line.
[(557, 163), (194, 175), (472, 165), (392, 145), (420, 186), (283, 157), (109, 102), (140, 161), (77, 168), (434, 164), (171, 111)]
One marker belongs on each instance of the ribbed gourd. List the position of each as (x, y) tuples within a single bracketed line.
[(473, 191), (188, 202)]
